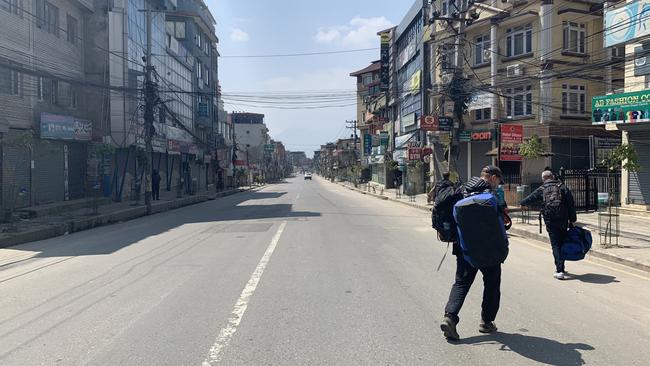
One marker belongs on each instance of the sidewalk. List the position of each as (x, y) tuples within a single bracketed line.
[(67, 217), (633, 248)]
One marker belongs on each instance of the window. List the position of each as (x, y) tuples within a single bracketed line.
[(482, 50), (199, 43), (444, 8), (39, 89), (199, 70), (15, 84), (55, 92), (51, 19), (74, 98), (519, 101), (72, 29), (574, 37), (574, 99), (206, 76), (12, 6), (519, 40), (482, 114), (367, 80), (176, 29)]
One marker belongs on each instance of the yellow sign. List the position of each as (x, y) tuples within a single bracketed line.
[(385, 38), (416, 80)]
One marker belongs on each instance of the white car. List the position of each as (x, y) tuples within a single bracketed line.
[(307, 176)]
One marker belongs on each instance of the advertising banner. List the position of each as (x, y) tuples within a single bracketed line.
[(445, 124), (629, 22), (621, 108), (415, 153), (511, 138), (384, 57), (429, 123), (367, 144), (58, 127)]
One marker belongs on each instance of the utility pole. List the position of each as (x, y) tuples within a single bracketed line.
[(148, 114)]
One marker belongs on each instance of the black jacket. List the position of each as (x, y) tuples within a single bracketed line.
[(537, 198)]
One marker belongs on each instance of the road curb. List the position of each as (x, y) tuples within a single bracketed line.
[(81, 224), (597, 253)]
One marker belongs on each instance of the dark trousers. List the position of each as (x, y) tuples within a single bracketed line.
[(557, 233), (465, 275), (155, 192)]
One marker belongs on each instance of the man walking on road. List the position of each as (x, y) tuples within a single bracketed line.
[(491, 177), (445, 182), (559, 210)]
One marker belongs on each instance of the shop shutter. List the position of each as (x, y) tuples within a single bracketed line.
[(76, 170), (48, 172), (639, 182), (15, 176)]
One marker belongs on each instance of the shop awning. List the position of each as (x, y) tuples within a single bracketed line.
[(401, 141)]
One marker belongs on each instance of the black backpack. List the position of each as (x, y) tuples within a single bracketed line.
[(442, 213), (554, 207)]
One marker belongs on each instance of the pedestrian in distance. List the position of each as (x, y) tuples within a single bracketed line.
[(491, 177), (155, 185), (559, 212)]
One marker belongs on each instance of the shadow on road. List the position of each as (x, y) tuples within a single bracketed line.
[(594, 278), (109, 239), (542, 350)]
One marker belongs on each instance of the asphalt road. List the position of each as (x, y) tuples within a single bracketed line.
[(301, 273)]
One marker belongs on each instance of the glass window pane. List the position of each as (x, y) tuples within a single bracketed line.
[(519, 44), (529, 41), (180, 30)]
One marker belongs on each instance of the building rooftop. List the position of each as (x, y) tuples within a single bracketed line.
[(375, 66)]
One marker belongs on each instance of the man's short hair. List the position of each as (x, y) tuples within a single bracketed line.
[(547, 174), (446, 175)]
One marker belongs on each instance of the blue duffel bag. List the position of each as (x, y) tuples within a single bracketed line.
[(576, 244)]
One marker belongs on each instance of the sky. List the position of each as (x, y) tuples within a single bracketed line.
[(262, 27)]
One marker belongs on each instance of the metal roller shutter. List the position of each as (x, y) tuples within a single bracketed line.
[(15, 176), (48, 172), (639, 182), (76, 170)]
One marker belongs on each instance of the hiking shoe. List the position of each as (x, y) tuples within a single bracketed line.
[(487, 327), (560, 276), (448, 327)]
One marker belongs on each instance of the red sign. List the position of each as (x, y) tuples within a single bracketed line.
[(511, 138), (481, 136), (429, 123), (427, 151), (415, 153)]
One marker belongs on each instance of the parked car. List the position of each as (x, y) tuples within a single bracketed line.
[(307, 176)]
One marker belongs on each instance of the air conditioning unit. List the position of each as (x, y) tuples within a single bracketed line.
[(446, 78), (487, 55), (514, 70)]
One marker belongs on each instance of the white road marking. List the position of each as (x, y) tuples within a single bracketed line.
[(224, 337)]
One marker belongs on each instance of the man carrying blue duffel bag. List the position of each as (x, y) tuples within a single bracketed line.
[(481, 245), (559, 211)]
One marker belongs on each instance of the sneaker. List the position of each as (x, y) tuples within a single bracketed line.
[(487, 327), (560, 276), (448, 327)]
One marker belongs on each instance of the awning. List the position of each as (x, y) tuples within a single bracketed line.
[(401, 141)]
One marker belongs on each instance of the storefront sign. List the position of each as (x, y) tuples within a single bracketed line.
[(415, 153), (384, 57), (429, 123), (621, 108), (480, 101), (445, 124), (269, 147), (465, 136), (448, 109), (415, 82), (383, 138), (58, 127), (367, 144), (481, 136), (627, 23), (511, 138), (203, 110), (408, 120)]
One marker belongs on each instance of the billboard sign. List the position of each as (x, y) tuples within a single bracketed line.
[(59, 127), (415, 153), (367, 144), (429, 123), (627, 23), (621, 108), (512, 136), (384, 57), (445, 124)]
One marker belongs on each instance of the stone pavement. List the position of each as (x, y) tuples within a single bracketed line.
[(633, 247), (67, 217)]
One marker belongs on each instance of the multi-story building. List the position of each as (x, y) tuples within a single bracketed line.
[(626, 110), (528, 66), (45, 98), (251, 136)]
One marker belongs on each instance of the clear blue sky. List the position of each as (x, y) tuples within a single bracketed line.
[(296, 26)]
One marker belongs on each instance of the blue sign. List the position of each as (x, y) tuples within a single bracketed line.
[(58, 127), (627, 23), (203, 110), (367, 144)]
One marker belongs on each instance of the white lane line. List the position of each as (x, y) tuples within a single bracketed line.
[(237, 314)]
